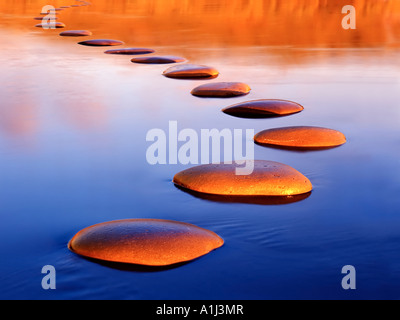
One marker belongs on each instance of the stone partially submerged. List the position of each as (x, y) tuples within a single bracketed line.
[(101, 43), (221, 90), (268, 178), (76, 33), (130, 51), (147, 242), (191, 71), (300, 137), (264, 108), (51, 25), (158, 59)]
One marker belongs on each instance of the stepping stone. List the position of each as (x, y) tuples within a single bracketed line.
[(51, 25), (302, 137), (130, 51), (46, 18), (50, 12), (265, 108), (101, 42), (75, 33), (147, 242), (268, 178), (221, 90), (191, 71), (158, 59)]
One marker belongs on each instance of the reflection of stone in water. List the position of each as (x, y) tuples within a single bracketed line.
[(268, 178), (302, 137), (130, 51), (158, 59), (261, 200), (221, 90), (101, 42), (147, 242), (265, 108), (191, 71)]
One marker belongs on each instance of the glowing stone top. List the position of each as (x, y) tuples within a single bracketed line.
[(268, 178), (148, 242), (50, 25), (130, 51), (301, 137), (158, 59), (264, 108), (75, 33), (221, 89), (190, 71), (101, 42)]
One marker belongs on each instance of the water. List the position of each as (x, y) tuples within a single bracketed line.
[(73, 124)]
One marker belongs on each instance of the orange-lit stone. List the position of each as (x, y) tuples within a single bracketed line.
[(301, 137), (148, 242), (101, 42), (269, 178), (75, 33), (190, 71), (221, 89), (51, 25), (130, 51), (158, 59), (264, 108), (46, 18)]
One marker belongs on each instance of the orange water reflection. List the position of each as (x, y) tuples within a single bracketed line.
[(314, 23)]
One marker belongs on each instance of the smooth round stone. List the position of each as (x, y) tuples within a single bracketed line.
[(221, 90), (190, 71), (268, 178), (101, 42), (47, 18), (75, 33), (147, 242), (264, 108), (51, 25), (130, 51), (302, 137), (158, 59)]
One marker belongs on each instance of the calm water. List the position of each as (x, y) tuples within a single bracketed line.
[(73, 124)]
